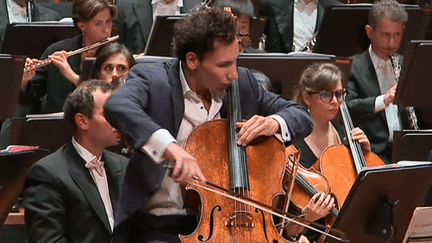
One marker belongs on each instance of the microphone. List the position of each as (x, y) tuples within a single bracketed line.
[(30, 10)]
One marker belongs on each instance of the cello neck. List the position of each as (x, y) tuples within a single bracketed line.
[(237, 153), (356, 150)]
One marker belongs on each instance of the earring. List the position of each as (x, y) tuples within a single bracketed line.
[(82, 32)]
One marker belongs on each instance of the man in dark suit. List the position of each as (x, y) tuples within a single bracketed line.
[(160, 105), (135, 20), (291, 23), (40, 14), (71, 195), (372, 83)]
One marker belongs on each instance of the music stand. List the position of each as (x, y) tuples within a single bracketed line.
[(411, 145), (382, 201), (31, 39), (348, 37), (11, 70), (162, 33), (284, 70), (414, 86)]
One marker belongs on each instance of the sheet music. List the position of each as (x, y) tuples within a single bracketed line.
[(420, 227)]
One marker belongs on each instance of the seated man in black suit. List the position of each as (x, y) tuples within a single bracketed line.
[(374, 76), (161, 104), (71, 195), (292, 24)]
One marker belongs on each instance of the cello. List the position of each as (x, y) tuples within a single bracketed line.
[(341, 165), (244, 171)]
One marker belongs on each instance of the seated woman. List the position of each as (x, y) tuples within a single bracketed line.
[(52, 84), (113, 61), (320, 90)]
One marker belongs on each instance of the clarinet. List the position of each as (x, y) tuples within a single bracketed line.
[(396, 66)]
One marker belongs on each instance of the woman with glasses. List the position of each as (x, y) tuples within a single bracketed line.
[(320, 90)]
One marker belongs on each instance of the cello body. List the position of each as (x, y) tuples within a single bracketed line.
[(222, 219)]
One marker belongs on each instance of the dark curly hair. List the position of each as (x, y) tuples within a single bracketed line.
[(316, 77), (199, 30), (81, 100)]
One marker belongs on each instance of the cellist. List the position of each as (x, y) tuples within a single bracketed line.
[(320, 91), (160, 105)]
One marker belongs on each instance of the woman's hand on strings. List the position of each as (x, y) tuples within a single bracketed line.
[(255, 127), (318, 207), (358, 135), (186, 167)]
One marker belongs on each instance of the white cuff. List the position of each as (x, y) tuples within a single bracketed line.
[(156, 145), (286, 136), (380, 103)]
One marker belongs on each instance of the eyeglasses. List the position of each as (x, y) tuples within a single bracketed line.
[(327, 96)]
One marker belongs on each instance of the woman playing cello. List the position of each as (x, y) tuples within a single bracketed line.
[(320, 90)]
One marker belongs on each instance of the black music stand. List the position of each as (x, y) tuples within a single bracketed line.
[(348, 37), (284, 70), (411, 145), (11, 70), (381, 203), (162, 32), (31, 39), (414, 88)]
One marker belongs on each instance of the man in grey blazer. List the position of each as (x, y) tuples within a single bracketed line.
[(72, 194), (281, 21), (160, 105), (40, 14), (135, 20)]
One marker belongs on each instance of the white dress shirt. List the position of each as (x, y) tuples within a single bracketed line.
[(99, 178), (161, 8), (17, 14), (386, 80), (305, 18)]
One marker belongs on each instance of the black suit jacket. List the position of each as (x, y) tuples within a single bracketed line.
[(40, 14), (280, 23), (152, 99), (363, 89), (62, 202), (135, 20)]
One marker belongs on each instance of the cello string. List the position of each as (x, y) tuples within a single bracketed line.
[(248, 201)]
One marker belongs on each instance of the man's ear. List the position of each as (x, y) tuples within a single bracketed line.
[(369, 30), (192, 60), (81, 121)]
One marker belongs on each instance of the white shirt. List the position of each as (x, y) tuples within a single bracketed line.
[(168, 199), (100, 180), (17, 14), (161, 8), (305, 18), (386, 80)]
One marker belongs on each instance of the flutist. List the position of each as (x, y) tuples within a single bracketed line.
[(51, 84)]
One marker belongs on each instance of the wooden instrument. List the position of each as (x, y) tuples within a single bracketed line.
[(47, 61), (341, 165)]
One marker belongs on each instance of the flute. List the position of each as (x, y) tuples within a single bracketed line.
[(47, 61)]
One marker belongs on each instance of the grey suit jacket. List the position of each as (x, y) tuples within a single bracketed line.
[(62, 202), (152, 99), (40, 14), (135, 20), (363, 89), (280, 24)]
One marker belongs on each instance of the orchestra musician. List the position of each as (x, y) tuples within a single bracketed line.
[(19, 11), (320, 90), (160, 105), (372, 82), (292, 24), (113, 60), (52, 84), (71, 195)]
